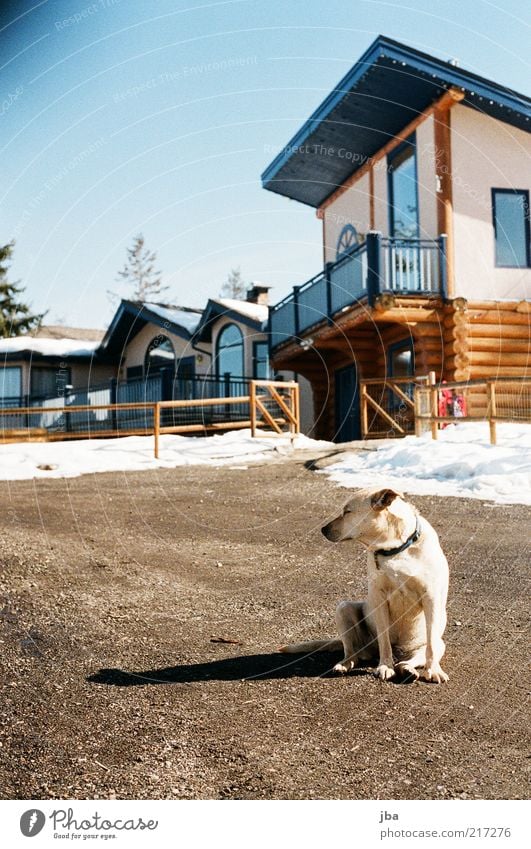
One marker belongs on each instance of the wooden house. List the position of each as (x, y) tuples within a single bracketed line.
[(419, 171)]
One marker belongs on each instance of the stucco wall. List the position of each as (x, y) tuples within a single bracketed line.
[(486, 154), (82, 375), (135, 351), (352, 207)]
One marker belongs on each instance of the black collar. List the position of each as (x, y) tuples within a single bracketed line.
[(390, 552)]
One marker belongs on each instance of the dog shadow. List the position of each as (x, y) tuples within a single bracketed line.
[(241, 668)]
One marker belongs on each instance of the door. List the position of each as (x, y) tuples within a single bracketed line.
[(347, 405)]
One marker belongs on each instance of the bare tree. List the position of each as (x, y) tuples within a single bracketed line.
[(234, 286), (139, 271)]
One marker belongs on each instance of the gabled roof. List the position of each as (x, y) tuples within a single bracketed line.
[(244, 312), (60, 331), (386, 89), (132, 316)]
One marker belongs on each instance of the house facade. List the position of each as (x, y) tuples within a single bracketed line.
[(420, 174)]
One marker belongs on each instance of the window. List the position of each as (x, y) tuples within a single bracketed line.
[(510, 210), (10, 383), (402, 187), (261, 360), (229, 351), (400, 359), (48, 382), (160, 354)]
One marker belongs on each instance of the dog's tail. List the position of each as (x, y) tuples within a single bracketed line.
[(311, 646)]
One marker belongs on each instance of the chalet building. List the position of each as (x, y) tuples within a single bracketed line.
[(49, 362), (419, 172)]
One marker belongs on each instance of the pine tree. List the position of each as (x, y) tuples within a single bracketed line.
[(139, 271), (234, 286), (16, 317)]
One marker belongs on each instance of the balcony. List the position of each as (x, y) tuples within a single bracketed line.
[(380, 264)]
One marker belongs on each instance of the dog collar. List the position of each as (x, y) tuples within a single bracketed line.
[(390, 552)]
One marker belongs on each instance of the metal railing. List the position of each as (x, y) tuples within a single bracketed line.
[(265, 404), (404, 266)]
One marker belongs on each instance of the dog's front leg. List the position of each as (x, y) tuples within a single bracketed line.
[(380, 616), (435, 620)]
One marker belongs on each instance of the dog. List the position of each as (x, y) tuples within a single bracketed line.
[(402, 622)]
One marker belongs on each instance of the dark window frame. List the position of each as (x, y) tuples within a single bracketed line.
[(527, 228), (220, 375), (408, 144), (263, 342), (401, 345)]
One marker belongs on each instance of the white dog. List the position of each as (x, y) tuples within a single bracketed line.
[(403, 620)]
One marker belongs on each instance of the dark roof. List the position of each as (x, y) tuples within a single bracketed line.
[(132, 316), (386, 89), (244, 312), (60, 331)]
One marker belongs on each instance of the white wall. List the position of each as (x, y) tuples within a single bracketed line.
[(135, 351), (352, 207), (485, 154)]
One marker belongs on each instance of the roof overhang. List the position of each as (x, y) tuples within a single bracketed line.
[(389, 87), (130, 318), (213, 312)]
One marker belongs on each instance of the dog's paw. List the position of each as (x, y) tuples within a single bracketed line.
[(384, 672), (345, 666), (407, 672), (435, 674)]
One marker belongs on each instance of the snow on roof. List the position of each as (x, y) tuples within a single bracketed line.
[(256, 312), (49, 347), (184, 316)]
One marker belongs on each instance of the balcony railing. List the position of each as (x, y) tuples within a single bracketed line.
[(403, 266)]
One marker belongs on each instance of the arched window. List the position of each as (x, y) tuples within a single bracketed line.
[(347, 241), (229, 351), (159, 354)]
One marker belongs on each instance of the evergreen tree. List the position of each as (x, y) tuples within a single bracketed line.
[(139, 272), (234, 286), (16, 317)]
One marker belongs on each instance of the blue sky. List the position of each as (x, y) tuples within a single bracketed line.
[(128, 116)]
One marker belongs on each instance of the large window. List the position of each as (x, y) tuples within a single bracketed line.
[(400, 359), (48, 382), (261, 369), (229, 352), (10, 383), (403, 200), (510, 210), (160, 354)]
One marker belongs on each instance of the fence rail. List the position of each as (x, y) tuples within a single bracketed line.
[(493, 400), (267, 404), (387, 406)]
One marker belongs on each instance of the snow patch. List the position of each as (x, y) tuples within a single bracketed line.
[(461, 462)]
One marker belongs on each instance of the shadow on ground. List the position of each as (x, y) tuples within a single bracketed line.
[(244, 667)]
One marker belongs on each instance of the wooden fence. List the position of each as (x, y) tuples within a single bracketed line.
[(269, 404), (387, 406), (492, 401)]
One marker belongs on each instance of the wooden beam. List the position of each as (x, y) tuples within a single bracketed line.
[(448, 99), (443, 171)]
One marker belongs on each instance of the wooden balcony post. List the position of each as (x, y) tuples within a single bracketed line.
[(374, 252), (364, 412), (443, 266)]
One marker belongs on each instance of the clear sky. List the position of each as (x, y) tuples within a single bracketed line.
[(128, 116)]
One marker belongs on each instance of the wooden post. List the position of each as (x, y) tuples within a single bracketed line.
[(364, 413), (434, 407), (418, 424), (491, 388), (252, 406), (156, 428), (297, 408), (443, 168)]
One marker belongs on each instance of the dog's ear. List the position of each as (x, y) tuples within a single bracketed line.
[(382, 499)]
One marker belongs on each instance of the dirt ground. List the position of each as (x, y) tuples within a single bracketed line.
[(112, 586)]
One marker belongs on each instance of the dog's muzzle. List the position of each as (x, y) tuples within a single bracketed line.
[(332, 534)]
